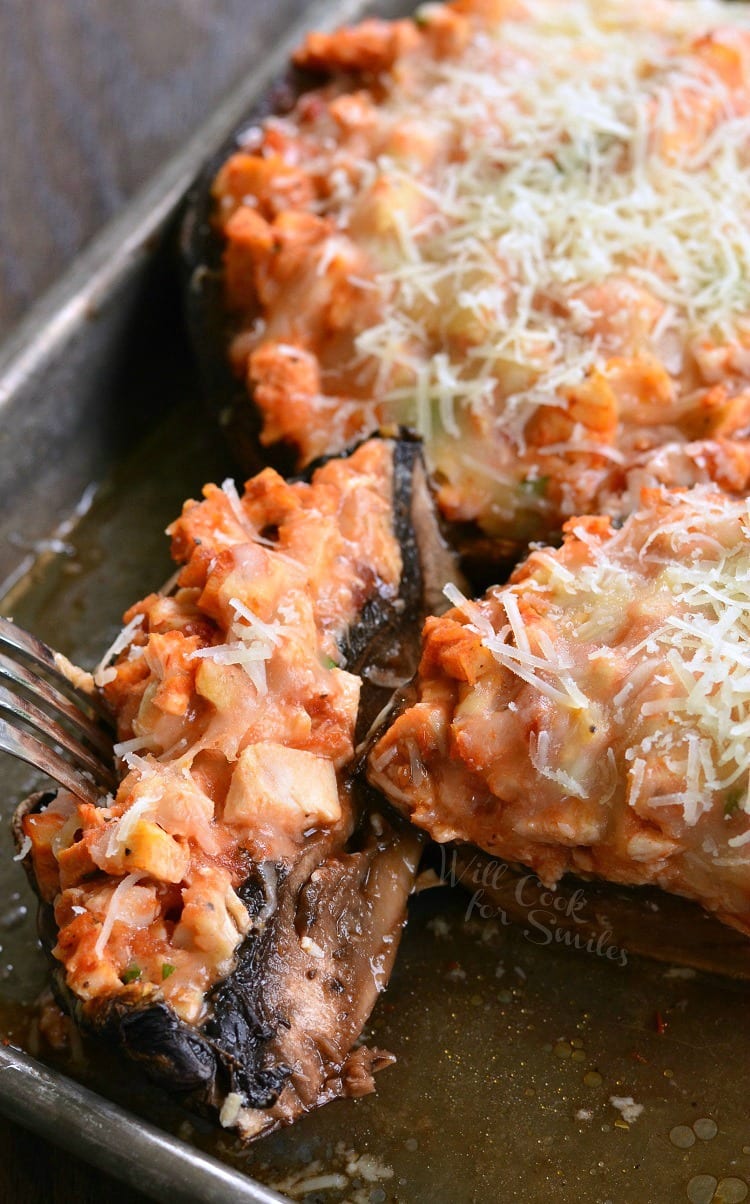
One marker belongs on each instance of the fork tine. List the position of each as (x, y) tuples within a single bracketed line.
[(44, 658), (42, 691), (17, 707), (27, 748), (90, 771)]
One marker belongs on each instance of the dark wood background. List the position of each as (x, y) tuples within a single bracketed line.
[(93, 95)]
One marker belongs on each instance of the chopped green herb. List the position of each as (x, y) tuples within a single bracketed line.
[(131, 974), (328, 662), (166, 970), (733, 802), (534, 486)]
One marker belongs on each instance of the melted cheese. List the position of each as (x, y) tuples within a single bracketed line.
[(684, 705), (564, 173)]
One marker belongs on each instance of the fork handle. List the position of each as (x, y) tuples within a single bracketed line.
[(117, 1142)]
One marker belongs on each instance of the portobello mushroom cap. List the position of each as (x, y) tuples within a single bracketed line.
[(280, 1031), (210, 327)]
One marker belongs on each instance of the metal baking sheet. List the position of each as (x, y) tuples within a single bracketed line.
[(517, 1054)]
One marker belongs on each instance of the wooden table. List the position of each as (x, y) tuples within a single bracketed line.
[(94, 94)]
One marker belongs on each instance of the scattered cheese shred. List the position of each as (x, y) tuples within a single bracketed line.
[(668, 598), (103, 673), (708, 650), (533, 668), (230, 492), (251, 643), (113, 908), (627, 1107), (579, 157)]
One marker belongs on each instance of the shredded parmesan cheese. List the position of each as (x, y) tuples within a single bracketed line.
[(121, 829), (708, 650), (251, 643), (136, 744), (115, 902), (238, 510), (684, 706), (24, 850), (566, 177), (535, 669), (102, 673)]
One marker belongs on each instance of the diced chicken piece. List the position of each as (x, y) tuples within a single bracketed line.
[(281, 790), (150, 849), (213, 920), (371, 46), (268, 180)]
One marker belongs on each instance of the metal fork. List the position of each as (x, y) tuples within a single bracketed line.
[(48, 722)]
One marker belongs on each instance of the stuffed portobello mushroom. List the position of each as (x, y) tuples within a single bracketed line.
[(230, 914), (517, 229)]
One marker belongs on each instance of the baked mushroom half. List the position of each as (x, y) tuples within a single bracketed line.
[(231, 914), (432, 232), (592, 718)]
